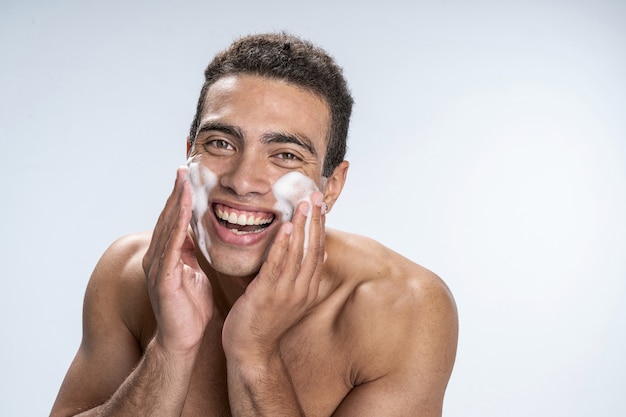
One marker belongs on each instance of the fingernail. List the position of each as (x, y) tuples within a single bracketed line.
[(305, 208), (317, 199)]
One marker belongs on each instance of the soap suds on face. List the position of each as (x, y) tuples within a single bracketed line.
[(291, 189), (202, 181)]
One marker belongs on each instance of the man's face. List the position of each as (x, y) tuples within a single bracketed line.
[(253, 131)]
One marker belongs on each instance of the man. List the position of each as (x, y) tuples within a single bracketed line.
[(232, 307)]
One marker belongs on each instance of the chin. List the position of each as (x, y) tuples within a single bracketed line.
[(240, 265), (233, 254)]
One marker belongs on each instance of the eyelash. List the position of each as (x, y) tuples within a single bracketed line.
[(221, 145), (288, 156)]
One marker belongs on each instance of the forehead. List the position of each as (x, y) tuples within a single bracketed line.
[(259, 105)]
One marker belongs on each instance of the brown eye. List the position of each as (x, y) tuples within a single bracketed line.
[(220, 143), (288, 156), (287, 160), (218, 146)]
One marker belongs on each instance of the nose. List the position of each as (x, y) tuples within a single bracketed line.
[(247, 175)]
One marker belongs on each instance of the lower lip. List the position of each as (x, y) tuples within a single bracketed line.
[(226, 235)]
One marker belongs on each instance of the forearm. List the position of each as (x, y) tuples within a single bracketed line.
[(262, 388), (157, 386)]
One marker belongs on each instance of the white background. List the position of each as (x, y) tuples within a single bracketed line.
[(488, 143)]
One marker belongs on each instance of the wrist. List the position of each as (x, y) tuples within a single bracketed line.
[(174, 357), (251, 354), (254, 364)]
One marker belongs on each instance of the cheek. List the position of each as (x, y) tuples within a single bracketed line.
[(202, 181), (289, 190)]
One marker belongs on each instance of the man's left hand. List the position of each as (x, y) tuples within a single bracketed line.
[(284, 290)]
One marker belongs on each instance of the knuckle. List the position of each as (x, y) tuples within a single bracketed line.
[(273, 273)]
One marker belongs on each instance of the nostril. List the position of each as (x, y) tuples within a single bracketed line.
[(245, 181)]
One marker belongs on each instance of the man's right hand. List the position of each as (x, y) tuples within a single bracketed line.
[(180, 291), (116, 372)]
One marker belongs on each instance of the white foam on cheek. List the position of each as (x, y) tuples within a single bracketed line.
[(202, 181), (291, 189)]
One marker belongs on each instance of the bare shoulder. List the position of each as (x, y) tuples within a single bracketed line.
[(117, 285), (124, 250), (120, 265), (382, 275), (403, 315), (117, 320)]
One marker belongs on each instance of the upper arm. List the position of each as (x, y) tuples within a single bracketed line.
[(109, 350), (414, 354)]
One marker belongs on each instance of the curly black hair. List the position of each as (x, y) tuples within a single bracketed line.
[(289, 58)]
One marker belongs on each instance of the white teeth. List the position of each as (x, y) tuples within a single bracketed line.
[(240, 232), (242, 219)]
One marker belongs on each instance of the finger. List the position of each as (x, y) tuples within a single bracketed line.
[(295, 251), (188, 252), (273, 265), (312, 263), (315, 251), (162, 230), (178, 226), (155, 241)]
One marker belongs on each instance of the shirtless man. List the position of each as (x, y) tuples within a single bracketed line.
[(277, 317)]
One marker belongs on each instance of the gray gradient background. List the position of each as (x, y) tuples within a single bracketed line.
[(488, 143)]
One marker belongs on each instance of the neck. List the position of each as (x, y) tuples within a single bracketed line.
[(226, 288)]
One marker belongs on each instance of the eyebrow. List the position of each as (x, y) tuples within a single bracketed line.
[(221, 127), (299, 140), (271, 137)]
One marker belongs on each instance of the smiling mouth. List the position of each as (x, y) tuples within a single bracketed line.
[(242, 222)]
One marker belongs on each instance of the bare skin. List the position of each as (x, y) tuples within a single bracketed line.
[(349, 328)]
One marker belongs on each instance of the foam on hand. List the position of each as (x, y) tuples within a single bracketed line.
[(290, 190), (202, 181)]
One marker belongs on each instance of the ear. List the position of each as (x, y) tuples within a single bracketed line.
[(334, 184)]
